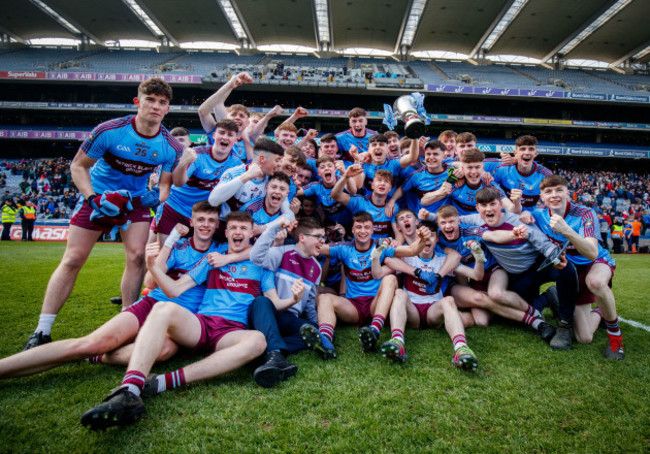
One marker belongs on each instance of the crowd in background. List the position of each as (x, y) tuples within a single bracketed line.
[(48, 184), (45, 182)]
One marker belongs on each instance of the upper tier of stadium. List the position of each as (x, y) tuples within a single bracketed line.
[(298, 69)]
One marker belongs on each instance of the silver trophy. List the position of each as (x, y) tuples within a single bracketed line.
[(410, 109)]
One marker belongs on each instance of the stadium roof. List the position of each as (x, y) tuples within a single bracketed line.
[(609, 31)]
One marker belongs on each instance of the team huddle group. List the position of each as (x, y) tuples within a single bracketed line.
[(259, 247)]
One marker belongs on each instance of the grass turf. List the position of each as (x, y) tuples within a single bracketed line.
[(524, 397)]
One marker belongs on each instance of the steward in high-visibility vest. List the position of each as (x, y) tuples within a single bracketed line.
[(9, 212), (28, 217)]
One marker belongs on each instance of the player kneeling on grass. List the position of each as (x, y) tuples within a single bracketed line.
[(563, 222), (421, 303), (176, 256), (366, 300), (220, 329)]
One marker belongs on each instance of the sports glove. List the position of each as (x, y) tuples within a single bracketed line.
[(151, 198), (433, 280)]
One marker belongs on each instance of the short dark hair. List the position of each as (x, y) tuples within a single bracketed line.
[(487, 195), (553, 180), (323, 159), (379, 137), (465, 137), (472, 155), (155, 86), (431, 225), (327, 138), (307, 224), (179, 131), (227, 124), (390, 134), (281, 176), (266, 145), (357, 112), (239, 216), (204, 207), (362, 216), (526, 140), (435, 144), (297, 153)]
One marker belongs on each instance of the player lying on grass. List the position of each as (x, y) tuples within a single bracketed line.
[(218, 329), (175, 258), (366, 300), (476, 295), (422, 304), (563, 221)]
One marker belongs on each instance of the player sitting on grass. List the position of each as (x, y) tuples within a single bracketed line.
[(422, 303), (175, 257), (562, 222), (473, 294), (293, 265), (220, 329), (366, 300)]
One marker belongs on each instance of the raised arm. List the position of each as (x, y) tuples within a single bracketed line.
[(412, 156), (216, 102), (337, 192), (437, 195), (172, 288), (179, 176), (297, 291)]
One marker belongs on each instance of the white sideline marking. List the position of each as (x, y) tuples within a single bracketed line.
[(635, 324)]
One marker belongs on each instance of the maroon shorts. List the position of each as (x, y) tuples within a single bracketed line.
[(362, 305), (141, 308), (584, 295), (167, 218), (81, 215), (213, 328), (422, 310), (482, 285)]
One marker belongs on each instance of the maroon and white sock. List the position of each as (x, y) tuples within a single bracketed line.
[(95, 359), (327, 330), (378, 322), (170, 380), (531, 321), (134, 381), (533, 312), (397, 334), (459, 340)]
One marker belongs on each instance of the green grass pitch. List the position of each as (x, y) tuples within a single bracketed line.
[(525, 398)]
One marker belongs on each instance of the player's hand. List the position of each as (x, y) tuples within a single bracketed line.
[(154, 178), (389, 209), (424, 234), (476, 250), (151, 252), (526, 217), (487, 178), (217, 260), (255, 171), (365, 157), (381, 245), (277, 110), (515, 195), (563, 262), (353, 171), (188, 156), (520, 232), (182, 229), (508, 159), (240, 79), (301, 112), (312, 134), (445, 189), (295, 205), (558, 224), (458, 172), (340, 166), (423, 214), (279, 238), (298, 290), (422, 141)]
